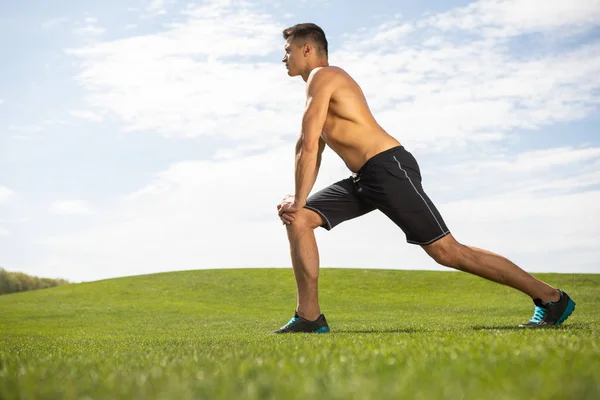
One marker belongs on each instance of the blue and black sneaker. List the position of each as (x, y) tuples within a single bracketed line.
[(551, 314), (299, 324)]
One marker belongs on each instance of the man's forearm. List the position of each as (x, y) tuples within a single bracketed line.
[(307, 168)]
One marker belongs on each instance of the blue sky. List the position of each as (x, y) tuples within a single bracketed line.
[(138, 137)]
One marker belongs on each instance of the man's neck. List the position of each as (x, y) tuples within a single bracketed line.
[(310, 70)]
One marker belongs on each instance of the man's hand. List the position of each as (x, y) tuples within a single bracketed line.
[(287, 209)]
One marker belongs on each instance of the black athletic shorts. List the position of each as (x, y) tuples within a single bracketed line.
[(391, 183)]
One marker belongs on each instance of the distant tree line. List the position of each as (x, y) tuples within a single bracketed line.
[(12, 282)]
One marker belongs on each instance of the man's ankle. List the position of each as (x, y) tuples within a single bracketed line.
[(309, 316), (553, 297)]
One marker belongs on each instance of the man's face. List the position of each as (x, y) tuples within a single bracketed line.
[(293, 57)]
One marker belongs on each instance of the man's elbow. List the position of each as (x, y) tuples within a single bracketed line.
[(308, 148)]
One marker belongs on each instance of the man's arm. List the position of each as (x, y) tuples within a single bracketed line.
[(310, 145)]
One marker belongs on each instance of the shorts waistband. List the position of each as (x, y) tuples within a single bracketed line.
[(378, 156)]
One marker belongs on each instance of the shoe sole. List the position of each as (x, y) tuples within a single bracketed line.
[(323, 329)]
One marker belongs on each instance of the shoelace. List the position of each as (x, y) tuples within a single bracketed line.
[(539, 314)]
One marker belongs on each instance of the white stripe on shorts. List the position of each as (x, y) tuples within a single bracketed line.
[(414, 187)]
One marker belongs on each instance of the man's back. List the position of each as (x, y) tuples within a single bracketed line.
[(350, 129)]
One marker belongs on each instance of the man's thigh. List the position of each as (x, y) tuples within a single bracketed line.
[(337, 203)]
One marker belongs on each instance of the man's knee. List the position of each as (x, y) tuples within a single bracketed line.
[(305, 219), (443, 257), (446, 252)]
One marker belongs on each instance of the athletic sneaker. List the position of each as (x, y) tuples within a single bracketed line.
[(551, 314), (299, 324)]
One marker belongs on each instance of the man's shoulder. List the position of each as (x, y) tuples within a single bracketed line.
[(330, 76), (330, 70)]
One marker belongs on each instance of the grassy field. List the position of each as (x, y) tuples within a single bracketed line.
[(203, 335)]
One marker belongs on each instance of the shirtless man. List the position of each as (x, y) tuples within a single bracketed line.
[(385, 177)]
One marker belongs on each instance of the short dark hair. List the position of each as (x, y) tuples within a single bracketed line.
[(308, 31)]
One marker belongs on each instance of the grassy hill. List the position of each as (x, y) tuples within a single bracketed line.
[(203, 334)]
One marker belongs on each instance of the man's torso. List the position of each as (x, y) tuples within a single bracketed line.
[(350, 129)]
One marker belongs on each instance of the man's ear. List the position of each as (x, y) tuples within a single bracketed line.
[(307, 49)]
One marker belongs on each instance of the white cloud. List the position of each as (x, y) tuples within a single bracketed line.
[(87, 115), (158, 82), (72, 207), (89, 27), (196, 212), (548, 172), (28, 131), (190, 214), (1, 101), (89, 30), (567, 184), (515, 17), (4, 232), (436, 91), (389, 32), (241, 150), (542, 159), (52, 23), (25, 128), (456, 92), (157, 7), (516, 222), (6, 194), (20, 220)]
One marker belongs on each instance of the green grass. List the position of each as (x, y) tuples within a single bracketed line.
[(203, 335)]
